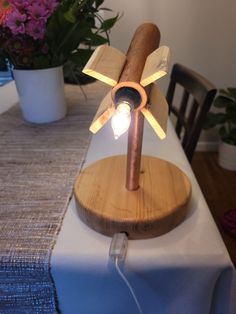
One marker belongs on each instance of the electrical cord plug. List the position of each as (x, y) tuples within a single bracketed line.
[(118, 247)]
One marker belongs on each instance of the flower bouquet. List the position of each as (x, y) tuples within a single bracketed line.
[(39, 34), (38, 37)]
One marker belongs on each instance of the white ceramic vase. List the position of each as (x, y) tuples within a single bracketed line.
[(41, 94), (227, 156)]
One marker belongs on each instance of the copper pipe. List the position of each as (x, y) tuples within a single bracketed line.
[(134, 151)]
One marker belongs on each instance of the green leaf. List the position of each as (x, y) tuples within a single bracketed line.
[(231, 114), (73, 74), (2, 62), (96, 40), (213, 119), (91, 21), (230, 141), (81, 56), (232, 92), (73, 38), (105, 9), (233, 133), (57, 22), (109, 23), (223, 102), (231, 110), (224, 92), (223, 132), (98, 3), (41, 62), (231, 138), (70, 17)]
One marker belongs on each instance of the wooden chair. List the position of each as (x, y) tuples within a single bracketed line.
[(198, 94)]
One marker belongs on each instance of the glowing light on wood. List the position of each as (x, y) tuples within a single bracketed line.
[(105, 64), (156, 65), (104, 113), (156, 112)]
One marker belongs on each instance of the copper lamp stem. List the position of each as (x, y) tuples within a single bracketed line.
[(135, 139), (145, 40)]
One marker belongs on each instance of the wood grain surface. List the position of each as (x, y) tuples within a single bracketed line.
[(156, 65), (156, 112), (103, 114), (105, 64), (155, 208)]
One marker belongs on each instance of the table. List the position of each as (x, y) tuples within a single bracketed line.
[(187, 270)]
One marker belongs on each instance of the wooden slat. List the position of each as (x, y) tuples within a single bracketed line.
[(105, 64), (156, 112), (104, 113), (156, 65), (181, 114)]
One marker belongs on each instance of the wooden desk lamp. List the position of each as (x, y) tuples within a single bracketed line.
[(155, 196)]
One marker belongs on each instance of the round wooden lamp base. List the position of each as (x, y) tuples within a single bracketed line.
[(158, 206)]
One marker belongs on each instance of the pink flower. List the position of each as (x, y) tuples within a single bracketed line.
[(15, 21), (35, 29)]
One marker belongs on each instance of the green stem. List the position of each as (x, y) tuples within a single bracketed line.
[(65, 38), (106, 32), (229, 127)]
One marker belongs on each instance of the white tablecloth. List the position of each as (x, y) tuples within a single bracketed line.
[(187, 270)]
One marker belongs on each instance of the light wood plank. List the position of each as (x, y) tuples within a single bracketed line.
[(105, 64), (156, 65), (104, 113), (156, 111)]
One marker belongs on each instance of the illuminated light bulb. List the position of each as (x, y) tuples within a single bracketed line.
[(120, 121)]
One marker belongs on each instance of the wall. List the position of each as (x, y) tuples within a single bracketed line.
[(201, 35)]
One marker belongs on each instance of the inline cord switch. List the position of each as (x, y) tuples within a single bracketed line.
[(117, 253)]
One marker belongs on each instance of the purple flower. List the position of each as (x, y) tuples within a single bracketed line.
[(20, 3), (50, 6), (15, 21), (38, 11), (35, 29)]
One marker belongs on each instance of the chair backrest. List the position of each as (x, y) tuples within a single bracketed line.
[(198, 94)]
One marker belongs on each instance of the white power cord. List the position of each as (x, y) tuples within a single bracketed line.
[(128, 285), (117, 252)]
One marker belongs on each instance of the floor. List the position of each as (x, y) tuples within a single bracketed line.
[(219, 188)]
